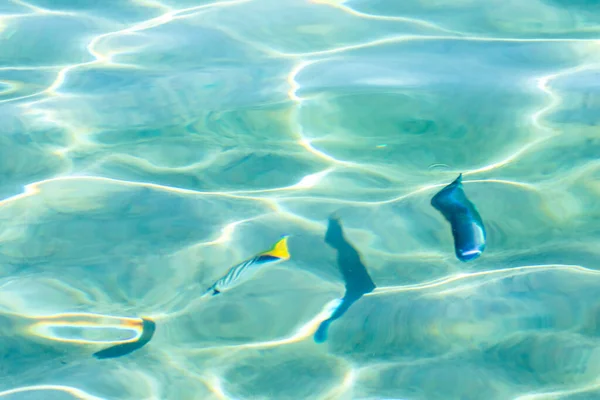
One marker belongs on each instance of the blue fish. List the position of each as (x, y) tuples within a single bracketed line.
[(245, 270), (356, 278), (467, 227), (119, 350)]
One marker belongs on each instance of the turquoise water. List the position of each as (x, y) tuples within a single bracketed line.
[(147, 146)]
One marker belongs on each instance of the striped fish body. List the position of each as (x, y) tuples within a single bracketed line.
[(246, 270)]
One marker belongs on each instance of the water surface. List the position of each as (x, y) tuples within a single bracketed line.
[(146, 146)]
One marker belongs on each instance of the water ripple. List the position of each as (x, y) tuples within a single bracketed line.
[(149, 145)]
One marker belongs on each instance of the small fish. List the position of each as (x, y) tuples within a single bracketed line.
[(467, 227), (122, 349), (356, 278), (243, 271)]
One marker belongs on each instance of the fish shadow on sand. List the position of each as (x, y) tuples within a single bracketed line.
[(123, 349), (357, 280)]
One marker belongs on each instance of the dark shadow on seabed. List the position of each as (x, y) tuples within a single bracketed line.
[(357, 280), (123, 349)]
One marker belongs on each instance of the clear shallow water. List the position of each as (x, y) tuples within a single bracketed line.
[(147, 146)]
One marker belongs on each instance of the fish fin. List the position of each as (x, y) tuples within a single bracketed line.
[(207, 292), (279, 250), (458, 180)]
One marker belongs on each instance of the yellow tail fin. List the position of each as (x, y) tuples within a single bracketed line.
[(279, 250)]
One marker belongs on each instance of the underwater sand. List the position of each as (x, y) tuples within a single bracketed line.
[(147, 146)]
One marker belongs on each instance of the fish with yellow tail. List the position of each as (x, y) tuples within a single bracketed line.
[(242, 272)]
